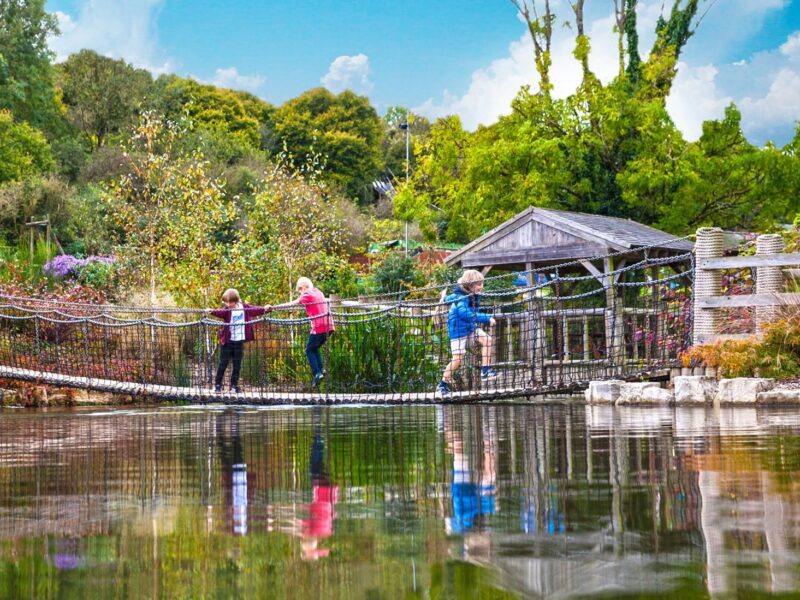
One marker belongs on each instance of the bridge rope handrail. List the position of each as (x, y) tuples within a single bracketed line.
[(402, 301)]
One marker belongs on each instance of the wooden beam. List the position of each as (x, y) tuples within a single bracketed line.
[(782, 299), (593, 270), (740, 262), (486, 270), (532, 255)]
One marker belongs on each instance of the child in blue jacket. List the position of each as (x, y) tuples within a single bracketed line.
[(463, 322)]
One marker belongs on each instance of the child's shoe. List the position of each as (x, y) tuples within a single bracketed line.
[(443, 389), (236, 389), (487, 374), (217, 389), (317, 379)]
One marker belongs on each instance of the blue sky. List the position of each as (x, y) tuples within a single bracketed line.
[(441, 56)]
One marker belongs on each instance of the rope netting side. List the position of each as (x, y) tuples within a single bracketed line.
[(560, 333)]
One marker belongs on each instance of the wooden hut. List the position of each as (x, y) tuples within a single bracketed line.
[(541, 237)]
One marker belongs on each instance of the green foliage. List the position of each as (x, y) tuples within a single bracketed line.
[(26, 75), (226, 113), (17, 262), (88, 230), (102, 95), (395, 273), (343, 129), (23, 150), (98, 275), (291, 231), (21, 201), (170, 213), (386, 354), (605, 149)]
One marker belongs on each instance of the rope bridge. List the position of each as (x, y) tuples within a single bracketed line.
[(556, 334)]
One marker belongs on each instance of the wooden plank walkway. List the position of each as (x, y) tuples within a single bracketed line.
[(206, 395)]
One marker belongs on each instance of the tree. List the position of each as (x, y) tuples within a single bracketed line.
[(344, 129), (719, 180), (291, 230), (26, 74), (23, 150), (221, 111), (102, 95), (170, 211), (570, 153)]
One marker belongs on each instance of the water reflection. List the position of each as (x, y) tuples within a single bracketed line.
[(453, 501)]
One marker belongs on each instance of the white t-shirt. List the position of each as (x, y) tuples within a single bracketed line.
[(237, 324)]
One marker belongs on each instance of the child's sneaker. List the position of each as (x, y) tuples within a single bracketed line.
[(236, 389), (317, 379), (487, 374), (443, 389), (217, 389)]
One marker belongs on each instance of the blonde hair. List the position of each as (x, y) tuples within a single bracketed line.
[(469, 278), (304, 282), (231, 295)]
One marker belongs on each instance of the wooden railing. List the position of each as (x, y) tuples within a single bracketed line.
[(770, 293)]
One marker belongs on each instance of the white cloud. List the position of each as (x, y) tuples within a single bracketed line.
[(117, 28), (791, 48), (695, 98), (349, 73), (778, 108), (491, 90), (231, 78)]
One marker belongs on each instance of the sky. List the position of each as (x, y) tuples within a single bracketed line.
[(441, 57)]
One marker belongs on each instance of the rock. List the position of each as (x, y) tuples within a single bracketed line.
[(603, 392), (776, 397), (695, 390), (645, 392), (742, 390)]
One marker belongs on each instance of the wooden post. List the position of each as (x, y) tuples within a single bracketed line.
[(49, 234), (768, 279), (615, 316), (707, 283)]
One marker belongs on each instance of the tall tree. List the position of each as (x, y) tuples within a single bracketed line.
[(344, 129), (102, 95), (26, 73), (169, 210), (291, 229)]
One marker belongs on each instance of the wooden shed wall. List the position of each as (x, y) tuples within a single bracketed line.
[(533, 234)]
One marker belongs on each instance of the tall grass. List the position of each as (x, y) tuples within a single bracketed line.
[(17, 262)]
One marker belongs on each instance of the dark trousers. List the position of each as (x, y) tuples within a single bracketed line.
[(315, 341), (230, 352)]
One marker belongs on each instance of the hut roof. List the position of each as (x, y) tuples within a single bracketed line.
[(546, 235)]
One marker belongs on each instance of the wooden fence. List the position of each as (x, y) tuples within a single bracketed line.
[(767, 264)]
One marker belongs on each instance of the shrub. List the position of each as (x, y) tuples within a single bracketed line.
[(776, 354)]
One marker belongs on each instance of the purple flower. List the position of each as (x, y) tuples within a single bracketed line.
[(66, 265)]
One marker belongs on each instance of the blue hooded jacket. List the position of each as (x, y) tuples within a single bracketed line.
[(463, 318)]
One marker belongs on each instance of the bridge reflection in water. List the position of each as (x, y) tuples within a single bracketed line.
[(431, 501)]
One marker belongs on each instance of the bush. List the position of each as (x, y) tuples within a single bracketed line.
[(776, 354), (395, 274)]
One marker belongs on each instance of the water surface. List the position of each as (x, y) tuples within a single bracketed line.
[(555, 501)]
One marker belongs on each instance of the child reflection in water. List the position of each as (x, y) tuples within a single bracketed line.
[(319, 523), (473, 491)]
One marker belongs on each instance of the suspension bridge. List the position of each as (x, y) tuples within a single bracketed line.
[(560, 330)]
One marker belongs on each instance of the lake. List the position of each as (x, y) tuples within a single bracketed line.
[(555, 500)]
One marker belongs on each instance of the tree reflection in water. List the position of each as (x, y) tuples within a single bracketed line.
[(452, 501)]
